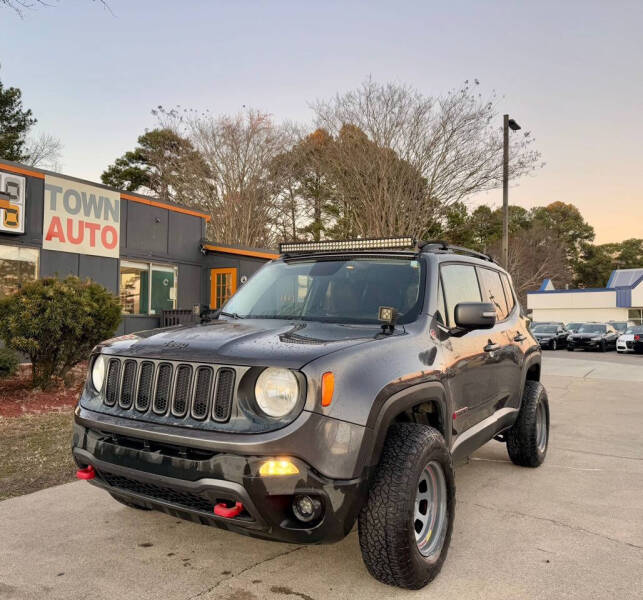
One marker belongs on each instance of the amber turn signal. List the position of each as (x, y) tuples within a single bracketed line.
[(278, 467), (327, 388)]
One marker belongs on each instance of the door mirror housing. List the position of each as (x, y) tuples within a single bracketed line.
[(475, 315)]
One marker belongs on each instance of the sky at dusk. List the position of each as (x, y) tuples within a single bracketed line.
[(570, 72)]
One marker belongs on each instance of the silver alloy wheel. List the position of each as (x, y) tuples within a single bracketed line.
[(430, 517), (541, 427)]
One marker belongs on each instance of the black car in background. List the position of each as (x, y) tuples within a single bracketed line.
[(637, 342), (573, 327), (620, 326), (593, 336), (550, 336)]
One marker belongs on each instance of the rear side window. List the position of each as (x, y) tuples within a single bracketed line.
[(511, 302), (460, 284), (493, 292)]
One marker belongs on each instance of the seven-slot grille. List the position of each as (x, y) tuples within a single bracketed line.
[(180, 389)]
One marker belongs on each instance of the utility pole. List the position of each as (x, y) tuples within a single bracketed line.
[(507, 124)]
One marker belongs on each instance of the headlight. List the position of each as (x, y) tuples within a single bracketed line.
[(596, 339), (98, 372), (276, 391)]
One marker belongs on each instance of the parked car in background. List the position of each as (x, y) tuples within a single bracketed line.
[(593, 336), (625, 342), (638, 340), (550, 336), (573, 327), (620, 326)]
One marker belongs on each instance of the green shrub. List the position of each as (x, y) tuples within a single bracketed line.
[(9, 361), (57, 322)]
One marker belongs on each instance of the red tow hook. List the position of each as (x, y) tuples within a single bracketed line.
[(86, 473), (221, 510)]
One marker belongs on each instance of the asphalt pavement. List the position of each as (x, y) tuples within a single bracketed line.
[(570, 529)]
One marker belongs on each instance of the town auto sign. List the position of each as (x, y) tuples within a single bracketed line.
[(80, 218)]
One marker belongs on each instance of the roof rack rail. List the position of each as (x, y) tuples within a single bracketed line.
[(446, 247)]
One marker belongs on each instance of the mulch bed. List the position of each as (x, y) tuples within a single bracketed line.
[(17, 398)]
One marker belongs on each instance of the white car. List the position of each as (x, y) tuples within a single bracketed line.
[(625, 342)]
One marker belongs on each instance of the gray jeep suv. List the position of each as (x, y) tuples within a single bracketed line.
[(339, 384)]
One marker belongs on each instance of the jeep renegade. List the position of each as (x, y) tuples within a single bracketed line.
[(339, 384)]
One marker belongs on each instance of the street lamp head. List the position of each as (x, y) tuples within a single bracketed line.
[(513, 125)]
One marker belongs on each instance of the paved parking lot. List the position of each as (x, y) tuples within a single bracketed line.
[(571, 529)]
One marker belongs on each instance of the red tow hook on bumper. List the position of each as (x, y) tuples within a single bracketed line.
[(221, 510), (86, 473)]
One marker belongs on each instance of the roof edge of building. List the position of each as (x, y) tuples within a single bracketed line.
[(22, 169)]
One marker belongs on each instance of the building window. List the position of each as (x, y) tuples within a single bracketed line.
[(146, 288), (17, 266), (223, 284), (635, 315)]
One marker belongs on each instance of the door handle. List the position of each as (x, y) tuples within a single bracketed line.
[(519, 337), (491, 347)]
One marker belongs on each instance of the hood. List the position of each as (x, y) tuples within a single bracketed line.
[(586, 336), (626, 337), (251, 342), (544, 335)]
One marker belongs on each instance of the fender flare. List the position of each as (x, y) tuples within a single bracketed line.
[(386, 409), (530, 361)]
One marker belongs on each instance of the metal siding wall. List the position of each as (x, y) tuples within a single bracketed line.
[(54, 263), (101, 269), (189, 292), (134, 324), (184, 237), (147, 229)]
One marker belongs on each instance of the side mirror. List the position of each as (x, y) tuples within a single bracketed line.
[(475, 315)]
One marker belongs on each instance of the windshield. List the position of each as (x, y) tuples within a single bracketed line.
[(336, 291), (573, 325), (545, 329), (619, 326), (591, 328)]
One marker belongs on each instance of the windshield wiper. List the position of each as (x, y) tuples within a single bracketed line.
[(232, 315)]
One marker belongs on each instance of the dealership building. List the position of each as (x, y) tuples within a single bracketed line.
[(152, 254), (620, 300)]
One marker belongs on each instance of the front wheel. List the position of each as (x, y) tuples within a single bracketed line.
[(554, 345), (528, 439), (405, 525)]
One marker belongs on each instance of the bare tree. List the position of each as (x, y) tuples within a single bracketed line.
[(43, 150), (454, 142), (239, 152), (533, 256), (19, 6)]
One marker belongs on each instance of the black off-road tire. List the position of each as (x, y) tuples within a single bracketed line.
[(386, 521), (522, 438), (129, 503)]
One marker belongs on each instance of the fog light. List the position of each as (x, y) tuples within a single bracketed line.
[(306, 508), (278, 467)]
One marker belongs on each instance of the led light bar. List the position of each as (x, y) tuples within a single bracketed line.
[(364, 244)]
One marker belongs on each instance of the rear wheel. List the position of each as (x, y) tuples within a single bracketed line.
[(405, 526), (528, 439)]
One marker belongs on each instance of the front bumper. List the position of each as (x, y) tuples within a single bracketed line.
[(585, 344), (187, 482)]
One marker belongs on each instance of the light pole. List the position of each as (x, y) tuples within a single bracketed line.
[(507, 124)]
